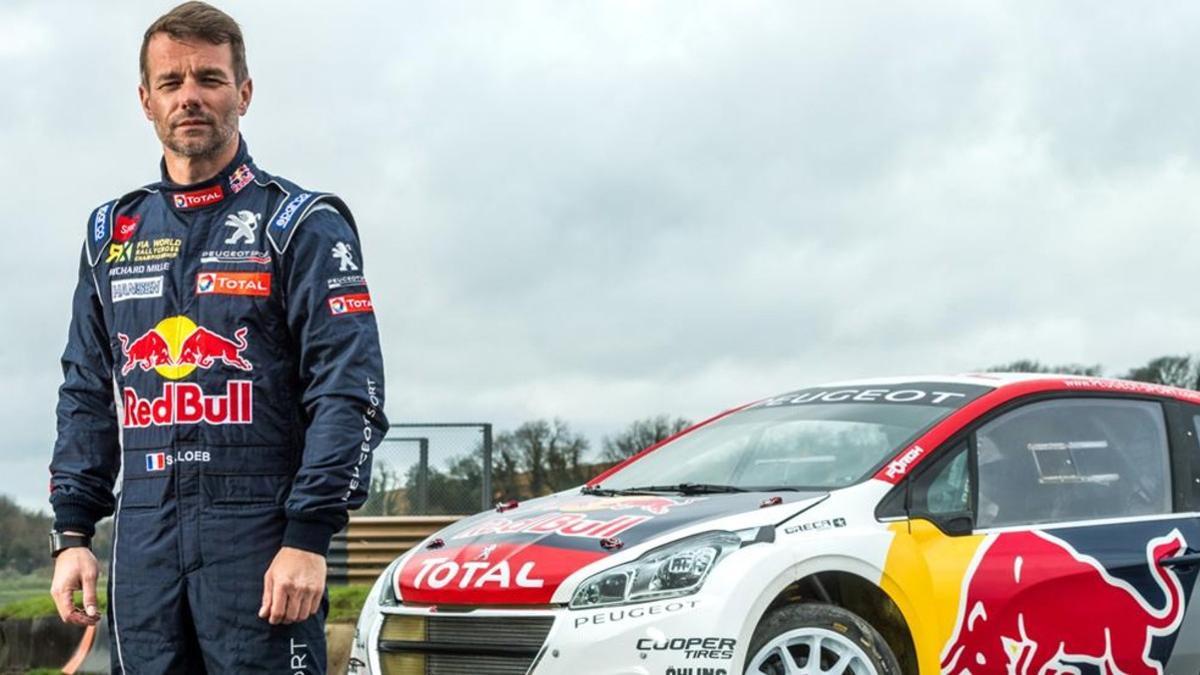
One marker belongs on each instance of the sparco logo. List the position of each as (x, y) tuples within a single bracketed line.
[(101, 221), (290, 210)]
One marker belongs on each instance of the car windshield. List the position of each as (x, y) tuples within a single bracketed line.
[(802, 441)]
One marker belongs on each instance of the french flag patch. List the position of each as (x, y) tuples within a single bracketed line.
[(156, 461)]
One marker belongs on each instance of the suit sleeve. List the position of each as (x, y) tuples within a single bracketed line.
[(332, 322), (87, 453)]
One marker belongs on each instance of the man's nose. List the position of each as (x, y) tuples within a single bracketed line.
[(189, 93)]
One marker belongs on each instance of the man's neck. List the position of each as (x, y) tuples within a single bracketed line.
[(185, 170)]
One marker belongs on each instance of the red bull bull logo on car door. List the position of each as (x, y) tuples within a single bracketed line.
[(174, 348), (1035, 602), (1032, 603)]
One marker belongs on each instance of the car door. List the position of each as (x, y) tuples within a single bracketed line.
[(1186, 461), (1073, 511)]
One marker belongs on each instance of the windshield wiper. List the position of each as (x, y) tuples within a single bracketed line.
[(682, 488)]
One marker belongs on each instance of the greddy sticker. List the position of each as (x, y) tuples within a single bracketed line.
[(130, 289)]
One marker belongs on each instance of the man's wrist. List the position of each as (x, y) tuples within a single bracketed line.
[(309, 535), (61, 541)]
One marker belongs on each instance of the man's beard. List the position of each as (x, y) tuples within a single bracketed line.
[(219, 134)]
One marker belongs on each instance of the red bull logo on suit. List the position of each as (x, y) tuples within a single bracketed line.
[(1033, 604), (174, 348)]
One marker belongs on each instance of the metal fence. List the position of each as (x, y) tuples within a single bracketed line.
[(432, 469)]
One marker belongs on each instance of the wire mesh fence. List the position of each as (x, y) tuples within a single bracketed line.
[(431, 469)]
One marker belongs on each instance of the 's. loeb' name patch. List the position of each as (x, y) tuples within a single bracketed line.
[(350, 304), (233, 283), (141, 287)]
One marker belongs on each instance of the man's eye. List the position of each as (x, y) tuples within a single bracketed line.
[(172, 84)]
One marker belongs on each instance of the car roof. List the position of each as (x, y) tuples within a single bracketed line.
[(1029, 383)]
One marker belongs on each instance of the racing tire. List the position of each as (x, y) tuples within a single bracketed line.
[(788, 639)]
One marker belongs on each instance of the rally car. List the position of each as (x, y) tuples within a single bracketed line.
[(972, 524)]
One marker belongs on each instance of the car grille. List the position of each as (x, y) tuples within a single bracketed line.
[(461, 645)]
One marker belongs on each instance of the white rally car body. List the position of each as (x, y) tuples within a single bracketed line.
[(862, 574)]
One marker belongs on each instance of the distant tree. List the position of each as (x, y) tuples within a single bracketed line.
[(639, 435), (22, 538), (1175, 371), (546, 456), (1035, 366), (385, 486), (535, 459)]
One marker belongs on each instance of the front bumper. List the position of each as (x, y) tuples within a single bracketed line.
[(687, 635)]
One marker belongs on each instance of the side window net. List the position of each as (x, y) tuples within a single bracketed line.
[(1073, 459), (1070, 462)]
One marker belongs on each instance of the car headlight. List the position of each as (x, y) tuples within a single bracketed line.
[(387, 594), (679, 568)]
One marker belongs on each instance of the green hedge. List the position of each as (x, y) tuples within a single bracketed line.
[(345, 603), (42, 605)]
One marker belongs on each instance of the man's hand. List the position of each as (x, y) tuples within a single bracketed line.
[(76, 569), (292, 586)]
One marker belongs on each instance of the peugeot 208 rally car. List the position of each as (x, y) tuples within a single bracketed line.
[(975, 524)]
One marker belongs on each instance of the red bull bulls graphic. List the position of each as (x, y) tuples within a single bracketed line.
[(203, 346), (174, 348), (563, 524), (1032, 604), (658, 506)]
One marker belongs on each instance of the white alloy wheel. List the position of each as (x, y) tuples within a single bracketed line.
[(814, 638), (811, 651)]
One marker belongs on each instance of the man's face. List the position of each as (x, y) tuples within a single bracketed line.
[(191, 96)]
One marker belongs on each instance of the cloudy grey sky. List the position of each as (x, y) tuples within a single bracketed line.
[(603, 210)]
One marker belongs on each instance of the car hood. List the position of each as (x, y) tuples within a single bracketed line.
[(521, 556)]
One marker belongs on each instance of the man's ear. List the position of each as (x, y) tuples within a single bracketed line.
[(144, 97), (245, 93)]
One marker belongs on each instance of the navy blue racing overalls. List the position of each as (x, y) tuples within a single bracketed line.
[(223, 352)]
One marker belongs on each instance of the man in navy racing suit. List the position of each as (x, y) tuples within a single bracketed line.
[(223, 352)]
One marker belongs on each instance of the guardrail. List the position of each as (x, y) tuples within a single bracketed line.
[(359, 553)]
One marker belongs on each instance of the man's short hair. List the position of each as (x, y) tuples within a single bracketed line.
[(201, 20)]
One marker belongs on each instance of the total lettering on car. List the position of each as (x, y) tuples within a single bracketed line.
[(982, 524)]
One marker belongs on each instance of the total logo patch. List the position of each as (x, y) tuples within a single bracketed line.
[(197, 198), (233, 283), (351, 303)]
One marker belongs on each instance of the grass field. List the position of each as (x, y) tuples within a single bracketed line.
[(14, 588), (29, 596)]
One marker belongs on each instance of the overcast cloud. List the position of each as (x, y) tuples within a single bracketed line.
[(606, 210)]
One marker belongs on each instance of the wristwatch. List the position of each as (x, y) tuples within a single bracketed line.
[(60, 541)]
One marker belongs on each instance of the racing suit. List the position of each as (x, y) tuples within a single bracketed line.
[(232, 321)]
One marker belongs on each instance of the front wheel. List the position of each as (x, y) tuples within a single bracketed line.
[(818, 639)]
